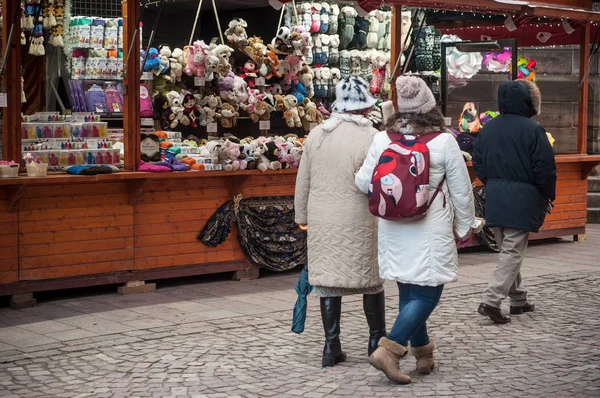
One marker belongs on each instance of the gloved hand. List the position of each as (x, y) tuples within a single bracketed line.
[(550, 207)]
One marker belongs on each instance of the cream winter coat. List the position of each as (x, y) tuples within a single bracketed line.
[(342, 234), (424, 252)]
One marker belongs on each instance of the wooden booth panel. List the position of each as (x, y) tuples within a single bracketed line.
[(170, 214), (75, 230), (9, 240), (570, 209)]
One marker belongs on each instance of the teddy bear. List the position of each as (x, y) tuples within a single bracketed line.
[(164, 55), (230, 156), (228, 116), (162, 111), (267, 154), (291, 112), (211, 67), (175, 66), (236, 33), (261, 112), (223, 52), (211, 105), (311, 116), (298, 43), (279, 107), (175, 102), (246, 158)]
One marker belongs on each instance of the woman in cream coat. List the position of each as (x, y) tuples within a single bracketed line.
[(342, 234)]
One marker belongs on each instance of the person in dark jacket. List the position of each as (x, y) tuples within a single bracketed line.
[(513, 157)]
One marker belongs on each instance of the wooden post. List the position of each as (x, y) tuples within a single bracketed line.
[(11, 121), (582, 124), (131, 84)]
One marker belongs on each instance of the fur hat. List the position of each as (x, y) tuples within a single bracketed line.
[(352, 94), (413, 95)]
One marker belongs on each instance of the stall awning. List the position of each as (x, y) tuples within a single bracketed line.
[(573, 10)]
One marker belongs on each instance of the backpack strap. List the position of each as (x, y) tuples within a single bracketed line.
[(425, 138), (394, 136), (437, 191)]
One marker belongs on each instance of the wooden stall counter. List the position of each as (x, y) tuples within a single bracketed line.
[(569, 216), (65, 231)]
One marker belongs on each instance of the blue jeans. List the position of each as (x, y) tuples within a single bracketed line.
[(416, 305)]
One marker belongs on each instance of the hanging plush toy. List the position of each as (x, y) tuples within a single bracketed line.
[(236, 34)]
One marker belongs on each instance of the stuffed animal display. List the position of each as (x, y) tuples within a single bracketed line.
[(230, 154)]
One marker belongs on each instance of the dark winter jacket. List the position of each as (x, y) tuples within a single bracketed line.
[(513, 158)]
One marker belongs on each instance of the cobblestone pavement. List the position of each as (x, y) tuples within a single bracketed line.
[(552, 352)]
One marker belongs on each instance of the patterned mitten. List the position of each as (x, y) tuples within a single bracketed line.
[(372, 37), (335, 79), (380, 15), (361, 29), (424, 49), (316, 18), (305, 16), (320, 92), (326, 79), (334, 15), (355, 64), (348, 20), (365, 66), (326, 8), (345, 63), (325, 41), (437, 50), (334, 51), (317, 50)]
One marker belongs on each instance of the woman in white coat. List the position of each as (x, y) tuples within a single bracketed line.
[(421, 256)]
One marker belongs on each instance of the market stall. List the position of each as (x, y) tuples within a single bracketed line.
[(129, 226)]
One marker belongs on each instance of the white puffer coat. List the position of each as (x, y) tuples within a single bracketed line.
[(424, 252)]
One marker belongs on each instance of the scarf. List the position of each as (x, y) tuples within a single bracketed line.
[(338, 118)]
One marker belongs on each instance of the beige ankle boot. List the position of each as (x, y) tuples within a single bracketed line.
[(424, 355), (386, 358)]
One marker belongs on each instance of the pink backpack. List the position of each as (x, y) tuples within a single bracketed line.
[(399, 186)]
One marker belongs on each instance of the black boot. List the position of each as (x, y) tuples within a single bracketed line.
[(331, 312), (374, 306)]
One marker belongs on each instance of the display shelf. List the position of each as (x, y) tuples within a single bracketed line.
[(62, 178)]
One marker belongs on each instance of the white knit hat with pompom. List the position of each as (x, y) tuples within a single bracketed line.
[(413, 95)]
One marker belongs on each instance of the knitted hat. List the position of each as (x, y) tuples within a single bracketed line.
[(413, 95), (352, 94)]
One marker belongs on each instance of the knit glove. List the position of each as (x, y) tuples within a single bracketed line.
[(325, 41), (326, 8), (334, 15)]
